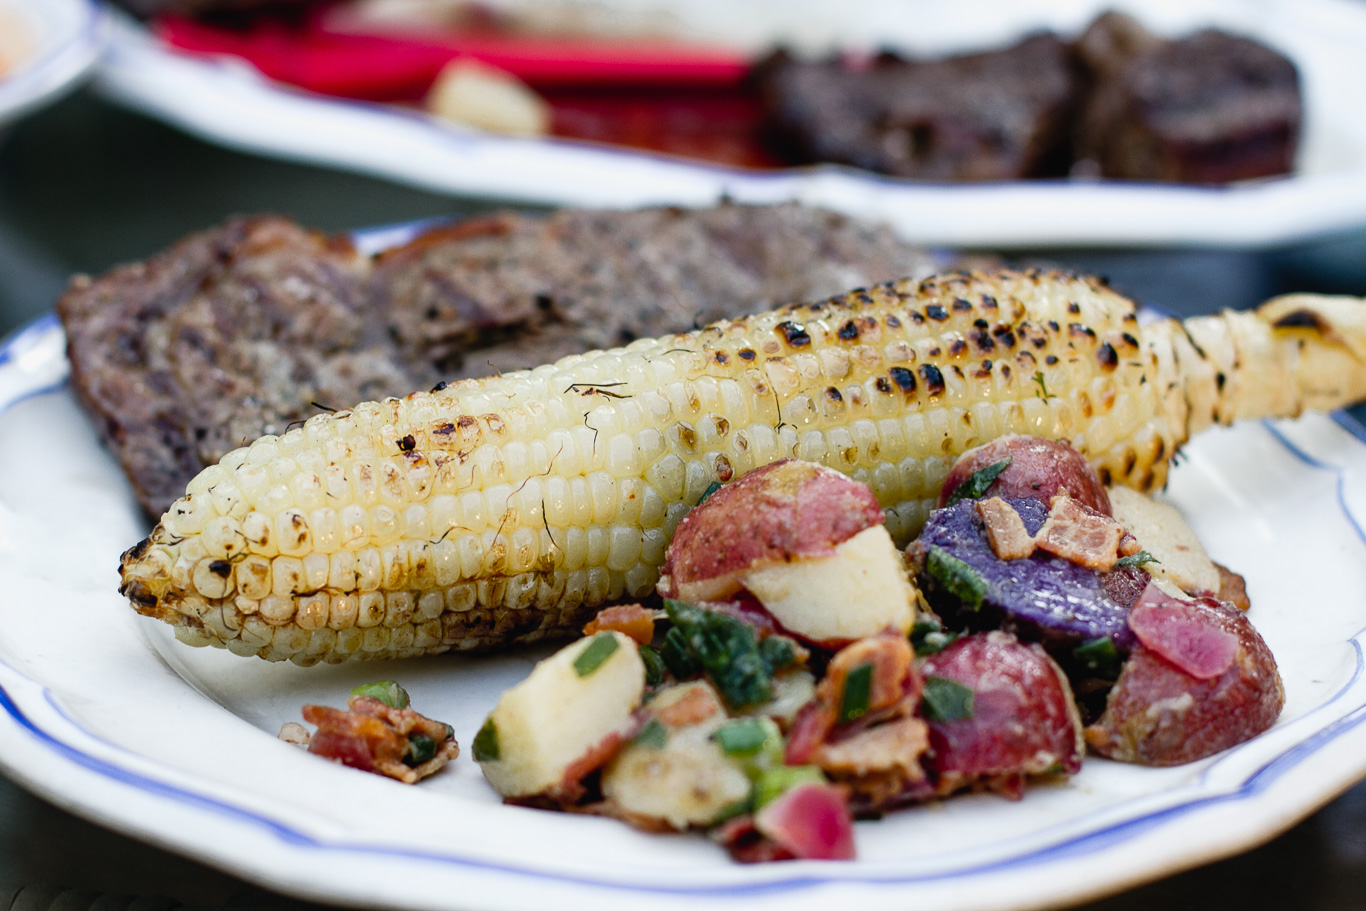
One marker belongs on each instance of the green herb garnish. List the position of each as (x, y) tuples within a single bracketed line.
[(712, 488), (486, 748), (956, 577), (1141, 558), (654, 735), (1043, 386), (677, 658), (741, 737), (945, 699), (726, 649), (1099, 657), (928, 636), (386, 691), (979, 482), (858, 693), (600, 648), (420, 749), (778, 652), (773, 782), (655, 668)]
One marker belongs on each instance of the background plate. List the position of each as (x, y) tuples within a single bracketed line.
[(227, 102)]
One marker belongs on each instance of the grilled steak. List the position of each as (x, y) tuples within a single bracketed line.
[(258, 323), (999, 115)]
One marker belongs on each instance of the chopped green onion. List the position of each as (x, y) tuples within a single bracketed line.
[(778, 652), (654, 735), (677, 658), (486, 748), (773, 782), (726, 649), (600, 648), (386, 691), (978, 483), (712, 488), (858, 693), (741, 737), (1139, 559), (945, 699), (1100, 657), (928, 636), (956, 578), (420, 749), (655, 668)]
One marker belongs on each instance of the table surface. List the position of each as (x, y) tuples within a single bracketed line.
[(84, 185)]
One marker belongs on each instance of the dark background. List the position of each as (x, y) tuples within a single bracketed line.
[(85, 185)]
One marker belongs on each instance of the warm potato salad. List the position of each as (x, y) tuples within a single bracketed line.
[(798, 671)]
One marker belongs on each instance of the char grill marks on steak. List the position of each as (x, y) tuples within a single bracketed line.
[(242, 329)]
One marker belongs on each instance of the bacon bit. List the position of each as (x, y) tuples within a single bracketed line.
[(632, 620), (696, 705), (746, 844), (895, 747), (1079, 534), (1232, 588), (1182, 636), (1006, 531), (894, 682), (370, 736), (571, 789), (1128, 545)]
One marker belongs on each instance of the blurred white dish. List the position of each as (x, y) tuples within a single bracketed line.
[(45, 46), (227, 102)]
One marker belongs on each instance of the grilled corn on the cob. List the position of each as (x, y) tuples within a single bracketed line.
[(505, 510)]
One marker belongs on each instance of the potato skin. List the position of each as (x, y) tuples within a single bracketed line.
[(1038, 468), (1160, 715), (782, 511)]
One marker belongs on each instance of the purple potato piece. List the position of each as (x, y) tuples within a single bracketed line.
[(1040, 598), (1024, 721), (1161, 714)]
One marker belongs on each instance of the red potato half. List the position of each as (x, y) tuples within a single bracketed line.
[(1038, 468), (804, 540)]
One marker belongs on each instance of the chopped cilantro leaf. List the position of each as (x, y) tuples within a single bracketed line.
[(945, 699), (726, 649), (928, 636), (778, 652), (600, 648), (956, 577), (486, 748), (653, 735), (712, 488), (420, 749), (1099, 657), (386, 691), (978, 483), (1139, 559), (858, 693), (677, 658)]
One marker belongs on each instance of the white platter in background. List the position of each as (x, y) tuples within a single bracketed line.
[(105, 714), (45, 46), (226, 101)]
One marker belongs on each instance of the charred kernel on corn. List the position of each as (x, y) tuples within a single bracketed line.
[(507, 509)]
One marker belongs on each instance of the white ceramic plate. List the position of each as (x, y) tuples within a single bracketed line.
[(52, 43), (104, 713), (226, 101)]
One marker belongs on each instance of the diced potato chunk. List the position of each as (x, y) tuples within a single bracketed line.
[(546, 723), (858, 591), (684, 781), (1162, 532)]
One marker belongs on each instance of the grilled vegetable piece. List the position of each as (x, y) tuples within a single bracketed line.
[(564, 720), (1035, 467), (1018, 718), (505, 510), (1200, 681), (1041, 598), (806, 542)]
